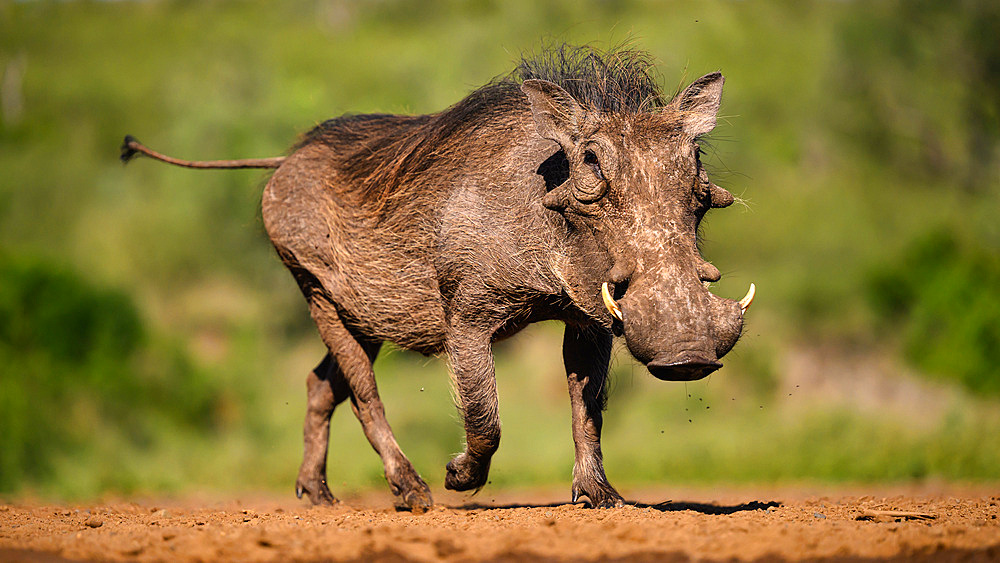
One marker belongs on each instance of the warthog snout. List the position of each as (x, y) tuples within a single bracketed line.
[(680, 331)]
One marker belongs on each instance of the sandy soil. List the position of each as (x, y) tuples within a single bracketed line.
[(929, 523)]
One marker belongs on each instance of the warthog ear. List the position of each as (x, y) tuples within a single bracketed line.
[(557, 115), (699, 103)]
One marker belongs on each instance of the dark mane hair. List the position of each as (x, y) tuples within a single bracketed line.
[(616, 80), (391, 150)]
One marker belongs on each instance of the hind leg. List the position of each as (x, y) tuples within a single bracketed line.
[(326, 388), (354, 359)]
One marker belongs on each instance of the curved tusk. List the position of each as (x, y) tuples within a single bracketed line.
[(748, 298), (609, 302)]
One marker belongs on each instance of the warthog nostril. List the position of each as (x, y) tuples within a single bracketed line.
[(687, 368)]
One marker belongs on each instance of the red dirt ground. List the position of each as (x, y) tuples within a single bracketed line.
[(947, 523)]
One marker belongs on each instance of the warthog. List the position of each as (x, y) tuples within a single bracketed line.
[(570, 190)]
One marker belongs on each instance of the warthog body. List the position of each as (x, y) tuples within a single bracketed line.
[(521, 203)]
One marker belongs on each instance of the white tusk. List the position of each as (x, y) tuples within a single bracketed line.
[(748, 298), (609, 302)]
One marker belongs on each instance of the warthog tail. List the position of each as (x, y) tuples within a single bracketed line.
[(131, 148)]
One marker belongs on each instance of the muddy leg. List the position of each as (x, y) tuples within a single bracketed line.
[(472, 366), (586, 354), (355, 363), (326, 389)]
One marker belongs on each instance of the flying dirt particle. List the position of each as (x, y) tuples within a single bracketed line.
[(689, 420)]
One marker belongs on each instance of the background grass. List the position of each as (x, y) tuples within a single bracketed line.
[(150, 341)]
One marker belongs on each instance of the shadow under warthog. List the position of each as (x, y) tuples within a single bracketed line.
[(666, 506)]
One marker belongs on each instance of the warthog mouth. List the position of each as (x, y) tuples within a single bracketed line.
[(688, 368)]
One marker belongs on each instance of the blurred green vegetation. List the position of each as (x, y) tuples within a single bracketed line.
[(150, 341), (951, 327)]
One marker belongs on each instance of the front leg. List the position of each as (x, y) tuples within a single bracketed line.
[(586, 353), (471, 355)]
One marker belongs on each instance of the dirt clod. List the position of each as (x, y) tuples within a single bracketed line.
[(94, 522)]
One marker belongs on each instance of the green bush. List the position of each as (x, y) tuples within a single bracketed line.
[(77, 362), (941, 297), (50, 310)]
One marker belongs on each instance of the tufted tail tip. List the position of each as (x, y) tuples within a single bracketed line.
[(128, 149)]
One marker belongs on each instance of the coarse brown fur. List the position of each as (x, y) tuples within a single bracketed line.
[(446, 232)]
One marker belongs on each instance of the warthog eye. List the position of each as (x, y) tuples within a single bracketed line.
[(589, 190), (590, 159)]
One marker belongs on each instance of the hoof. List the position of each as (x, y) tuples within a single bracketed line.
[(415, 501), (319, 493), (412, 493), (599, 497), (465, 474)]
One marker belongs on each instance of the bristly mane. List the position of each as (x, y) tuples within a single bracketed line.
[(617, 80), (390, 151)]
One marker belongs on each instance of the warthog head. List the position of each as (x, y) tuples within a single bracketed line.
[(633, 197)]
